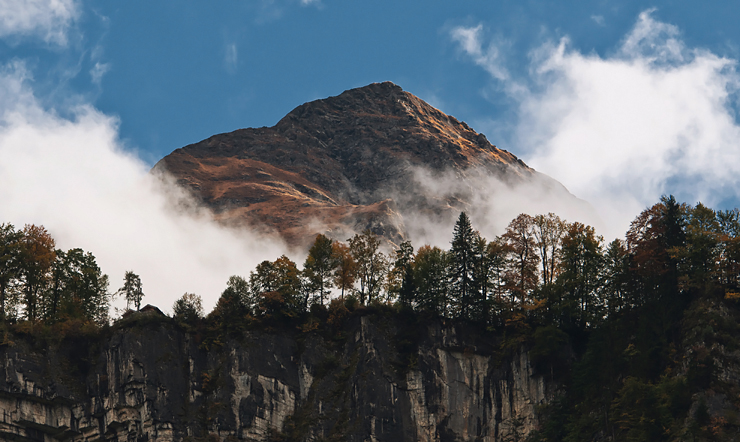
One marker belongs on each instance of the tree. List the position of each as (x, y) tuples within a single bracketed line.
[(496, 257), (701, 253), (319, 267), (277, 287), (548, 231), (579, 279), (462, 264), (78, 289), (37, 255), (132, 290), (371, 264), (401, 277), (615, 277), (480, 305), (188, 309), (522, 274), (10, 268), (346, 271), (431, 280), (656, 233)]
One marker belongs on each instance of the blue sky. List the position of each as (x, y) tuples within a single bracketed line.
[(621, 101), (175, 72)]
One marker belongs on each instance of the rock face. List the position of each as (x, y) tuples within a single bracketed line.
[(152, 381), (342, 164)]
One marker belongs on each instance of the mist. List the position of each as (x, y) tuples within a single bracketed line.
[(73, 176), (653, 118), (491, 201)]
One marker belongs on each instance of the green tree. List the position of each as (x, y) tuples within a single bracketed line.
[(78, 289), (401, 277), (277, 287), (132, 290), (701, 253), (10, 268), (615, 277), (462, 266), (319, 267), (580, 277), (431, 280)]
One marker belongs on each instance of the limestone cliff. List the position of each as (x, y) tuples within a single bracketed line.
[(376, 379)]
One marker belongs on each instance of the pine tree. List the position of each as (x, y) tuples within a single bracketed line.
[(462, 265)]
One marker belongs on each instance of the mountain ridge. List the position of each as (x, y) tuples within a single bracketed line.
[(338, 164)]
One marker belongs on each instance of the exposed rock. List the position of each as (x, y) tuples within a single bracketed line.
[(153, 382), (341, 165)]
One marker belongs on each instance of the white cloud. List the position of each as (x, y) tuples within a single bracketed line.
[(97, 72), (231, 57), (598, 19), (310, 2), (72, 176), (619, 131), (492, 203), (47, 19)]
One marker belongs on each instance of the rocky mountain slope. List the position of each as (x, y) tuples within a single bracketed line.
[(151, 380), (345, 164)]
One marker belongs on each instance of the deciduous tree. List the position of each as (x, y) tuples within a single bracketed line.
[(372, 264)]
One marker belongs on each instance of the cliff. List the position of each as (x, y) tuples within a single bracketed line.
[(377, 378)]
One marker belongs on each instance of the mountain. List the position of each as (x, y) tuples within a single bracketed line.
[(345, 164)]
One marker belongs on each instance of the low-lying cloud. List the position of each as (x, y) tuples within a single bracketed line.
[(619, 131), (492, 201), (72, 176)]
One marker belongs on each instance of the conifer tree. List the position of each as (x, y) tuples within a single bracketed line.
[(462, 265)]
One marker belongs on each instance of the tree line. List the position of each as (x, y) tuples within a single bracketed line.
[(40, 282), (542, 267)]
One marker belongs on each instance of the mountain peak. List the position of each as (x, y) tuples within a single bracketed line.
[(340, 163)]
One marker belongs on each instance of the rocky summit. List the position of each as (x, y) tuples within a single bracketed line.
[(340, 165)]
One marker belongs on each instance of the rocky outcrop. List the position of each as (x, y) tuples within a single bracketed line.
[(377, 379), (345, 164)]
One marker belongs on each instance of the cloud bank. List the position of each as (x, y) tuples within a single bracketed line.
[(46, 19), (72, 176), (656, 117)]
